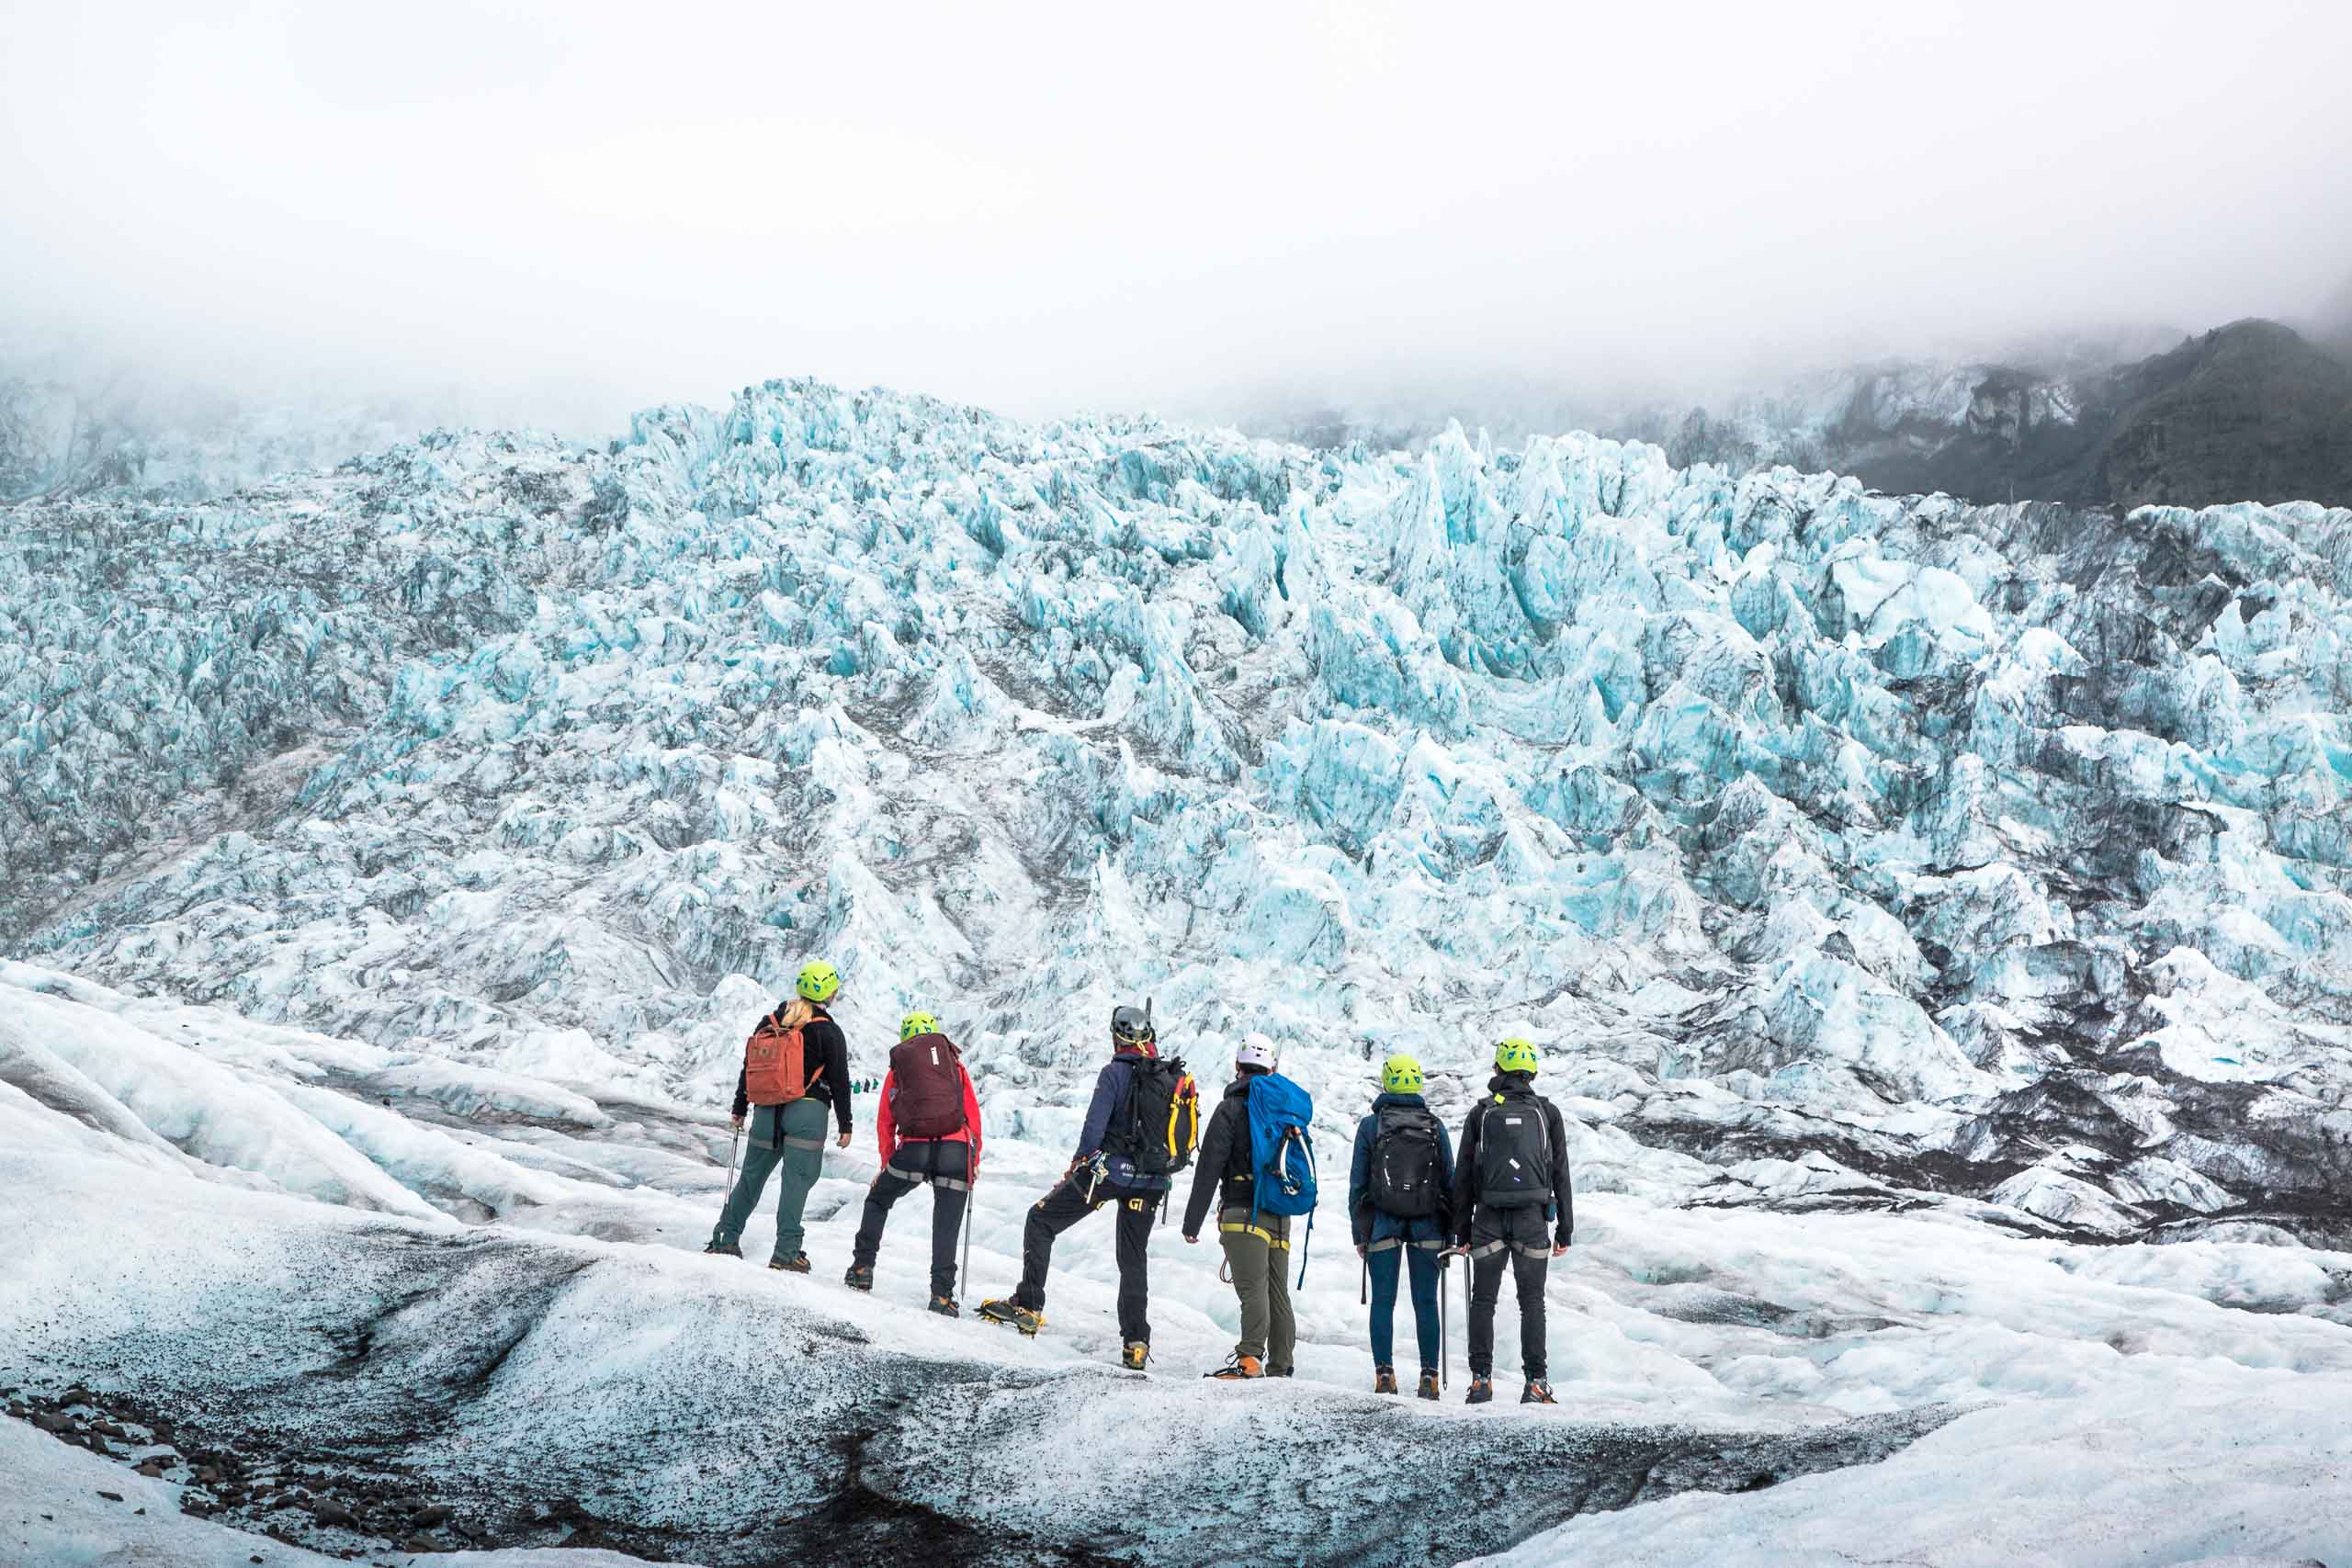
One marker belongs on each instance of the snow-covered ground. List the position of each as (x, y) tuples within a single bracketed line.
[(1934, 918), (253, 1229)]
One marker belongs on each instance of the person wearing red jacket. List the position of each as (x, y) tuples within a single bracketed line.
[(929, 1123)]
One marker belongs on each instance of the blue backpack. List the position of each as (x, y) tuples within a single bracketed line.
[(1282, 1153)]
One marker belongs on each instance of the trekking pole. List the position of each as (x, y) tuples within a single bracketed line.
[(1444, 1262), (733, 1139), (1466, 1291), (971, 1202)]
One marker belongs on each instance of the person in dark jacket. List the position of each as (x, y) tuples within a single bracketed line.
[(1105, 1171), (949, 1163), (1511, 1201), (1257, 1247), (791, 1135), (1393, 1243)]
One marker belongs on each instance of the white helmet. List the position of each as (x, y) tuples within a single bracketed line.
[(1256, 1051)]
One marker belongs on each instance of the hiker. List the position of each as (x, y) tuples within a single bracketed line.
[(1400, 1191), (927, 1126), (1509, 1184), (794, 1065), (1140, 1130), (1257, 1246)]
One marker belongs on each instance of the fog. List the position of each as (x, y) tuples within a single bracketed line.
[(564, 213)]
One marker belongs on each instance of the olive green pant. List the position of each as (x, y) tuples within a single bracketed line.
[(795, 1141), (1257, 1254)]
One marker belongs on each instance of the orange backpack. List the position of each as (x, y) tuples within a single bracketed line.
[(773, 1066)]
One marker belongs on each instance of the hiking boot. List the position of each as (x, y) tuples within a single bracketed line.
[(1384, 1379), (1537, 1391), (1014, 1313), (1238, 1368), (1428, 1384), (1136, 1353), (795, 1264), (859, 1278), (725, 1249), (945, 1306), (1482, 1392)]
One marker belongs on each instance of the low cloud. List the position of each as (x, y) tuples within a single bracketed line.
[(566, 213)]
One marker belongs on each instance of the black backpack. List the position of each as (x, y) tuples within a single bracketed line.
[(1514, 1154), (1405, 1164), (1160, 1123)]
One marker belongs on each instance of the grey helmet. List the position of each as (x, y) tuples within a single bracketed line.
[(1131, 1026)]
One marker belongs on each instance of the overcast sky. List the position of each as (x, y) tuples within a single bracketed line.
[(578, 209)]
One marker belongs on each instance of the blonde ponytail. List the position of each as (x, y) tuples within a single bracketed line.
[(794, 1014)]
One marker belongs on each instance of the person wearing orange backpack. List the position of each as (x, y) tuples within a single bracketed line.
[(928, 1124), (795, 1063)]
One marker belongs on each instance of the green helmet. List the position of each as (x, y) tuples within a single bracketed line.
[(819, 980), (1516, 1055), (916, 1023), (1400, 1075)]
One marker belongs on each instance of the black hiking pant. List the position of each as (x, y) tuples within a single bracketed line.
[(945, 1164), (1064, 1207), (1521, 1240)]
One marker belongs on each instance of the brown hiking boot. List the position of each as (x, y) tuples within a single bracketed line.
[(1383, 1379), (1238, 1368), (1482, 1392), (795, 1264), (1428, 1384)]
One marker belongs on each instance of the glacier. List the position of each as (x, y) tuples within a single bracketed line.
[(1935, 917)]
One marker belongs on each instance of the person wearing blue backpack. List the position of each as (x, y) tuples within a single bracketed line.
[(1512, 1206), (1400, 1189), (1257, 1165)]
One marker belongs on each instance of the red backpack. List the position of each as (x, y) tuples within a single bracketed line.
[(774, 1065), (928, 1074)]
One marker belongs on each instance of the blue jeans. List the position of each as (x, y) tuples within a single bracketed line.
[(1420, 1266)]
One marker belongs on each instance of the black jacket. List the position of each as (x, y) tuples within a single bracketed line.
[(1561, 1211), (1223, 1173), (821, 1046)]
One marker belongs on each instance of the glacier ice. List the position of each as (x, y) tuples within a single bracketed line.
[(1935, 916), (493, 742)]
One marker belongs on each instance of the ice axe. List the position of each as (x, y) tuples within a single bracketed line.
[(733, 1138)]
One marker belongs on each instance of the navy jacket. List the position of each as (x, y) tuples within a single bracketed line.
[(1370, 1225), (1110, 1093)]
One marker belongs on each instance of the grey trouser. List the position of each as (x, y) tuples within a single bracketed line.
[(1257, 1254)]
